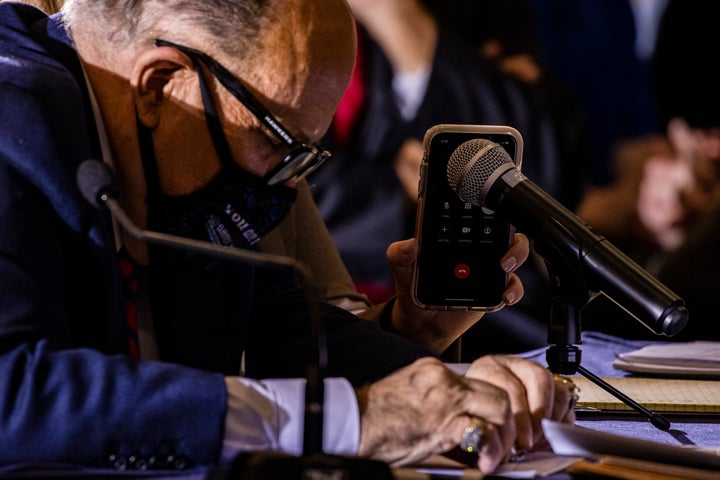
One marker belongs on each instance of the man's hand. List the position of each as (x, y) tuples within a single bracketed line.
[(437, 329), (534, 393), (424, 409)]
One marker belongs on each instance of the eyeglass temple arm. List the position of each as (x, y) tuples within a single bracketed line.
[(238, 90)]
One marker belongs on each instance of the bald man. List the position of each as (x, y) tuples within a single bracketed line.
[(209, 116)]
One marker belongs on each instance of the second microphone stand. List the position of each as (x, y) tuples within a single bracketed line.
[(563, 356)]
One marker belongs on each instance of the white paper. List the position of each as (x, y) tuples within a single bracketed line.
[(577, 441), (699, 358)]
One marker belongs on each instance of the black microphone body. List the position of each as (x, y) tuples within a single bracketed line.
[(490, 179)]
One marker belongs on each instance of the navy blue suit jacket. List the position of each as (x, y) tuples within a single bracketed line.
[(69, 392)]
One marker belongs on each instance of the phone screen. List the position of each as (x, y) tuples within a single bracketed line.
[(460, 244)]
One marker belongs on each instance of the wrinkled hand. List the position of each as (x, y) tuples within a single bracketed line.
[(424, 409), (437, 329), (533, 391)]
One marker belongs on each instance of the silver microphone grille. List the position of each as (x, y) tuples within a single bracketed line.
[(470, 166)]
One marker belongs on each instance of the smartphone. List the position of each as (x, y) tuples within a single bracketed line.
[(458, 266)]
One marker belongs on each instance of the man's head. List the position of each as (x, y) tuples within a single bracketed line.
[(295, 57)]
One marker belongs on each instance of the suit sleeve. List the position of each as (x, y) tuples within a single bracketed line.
[(82, 407), (60, 402)]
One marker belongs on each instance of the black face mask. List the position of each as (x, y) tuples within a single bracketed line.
[(236, 208)]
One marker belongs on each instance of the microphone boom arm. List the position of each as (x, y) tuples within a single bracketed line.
[(569, 295), (183, 243)]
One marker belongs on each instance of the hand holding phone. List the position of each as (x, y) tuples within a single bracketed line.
[(458, 265)]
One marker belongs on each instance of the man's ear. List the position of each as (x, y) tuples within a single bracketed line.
[(154, 69)]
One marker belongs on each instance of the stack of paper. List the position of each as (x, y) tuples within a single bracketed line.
[(680, 359), (615, 456)]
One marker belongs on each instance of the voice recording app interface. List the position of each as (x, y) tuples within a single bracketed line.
[(460, 244)]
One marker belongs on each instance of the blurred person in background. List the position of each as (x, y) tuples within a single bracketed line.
[(668, 189), (679, 198)]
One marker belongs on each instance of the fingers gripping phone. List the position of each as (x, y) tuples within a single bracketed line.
[(458, 266)]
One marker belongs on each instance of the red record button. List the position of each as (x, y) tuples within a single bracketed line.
[(462, 271)]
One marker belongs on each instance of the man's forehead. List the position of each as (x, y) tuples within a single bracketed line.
[(303, 65)]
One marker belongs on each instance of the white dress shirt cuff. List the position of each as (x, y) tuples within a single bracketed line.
[(268, 415)]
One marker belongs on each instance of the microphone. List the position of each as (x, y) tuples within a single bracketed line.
[(98, 186), (481, 172)]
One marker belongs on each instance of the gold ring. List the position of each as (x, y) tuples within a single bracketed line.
[(572, 388), (473, 436)]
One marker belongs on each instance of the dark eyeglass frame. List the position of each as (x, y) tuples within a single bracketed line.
[(302, 158)]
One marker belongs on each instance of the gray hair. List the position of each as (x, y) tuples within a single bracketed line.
[(232, 25)]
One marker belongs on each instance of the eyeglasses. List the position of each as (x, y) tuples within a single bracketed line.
[(302, 158)]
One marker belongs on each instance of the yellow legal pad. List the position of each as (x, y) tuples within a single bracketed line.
[(662, 395)]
